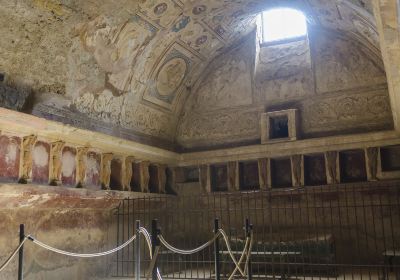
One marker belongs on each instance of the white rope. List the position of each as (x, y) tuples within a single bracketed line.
[(147, 236), (12, 255), (92, 255), (187, 252), (228, 246), (249, 243)]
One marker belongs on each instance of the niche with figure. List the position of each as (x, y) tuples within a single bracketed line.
[(281, 173), (314, 170), (219, 178), (352, 166), (248, 176)]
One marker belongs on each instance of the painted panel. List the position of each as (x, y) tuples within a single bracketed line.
[(40, 163), (92, 180), (68, 166), (9, 158)]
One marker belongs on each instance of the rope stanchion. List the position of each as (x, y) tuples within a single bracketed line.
[(21, 252), (217, 256), (78, 255), (137, 251), (4, 265)]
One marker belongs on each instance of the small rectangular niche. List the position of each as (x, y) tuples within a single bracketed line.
[(390, 158), (352, 166), (281, 173), (116, 174), (153, 180), (279, 126), (248, 176), (219, 178), (135, 182), (191, 174), (315, 170)]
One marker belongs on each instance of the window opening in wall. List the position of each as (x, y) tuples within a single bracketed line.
[(283, 24), (279, 127)]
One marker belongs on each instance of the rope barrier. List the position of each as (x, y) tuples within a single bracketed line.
[(92, 255), (187, 252), (246, 250), (12, 255), (228, 246)]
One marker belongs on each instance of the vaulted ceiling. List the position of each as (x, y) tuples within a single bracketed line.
[(127, 67)]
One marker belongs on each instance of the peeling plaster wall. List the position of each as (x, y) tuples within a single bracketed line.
[(72, 230), (75, 220), (337, 84)]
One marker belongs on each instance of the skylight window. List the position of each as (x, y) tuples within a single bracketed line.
[(283, 24)]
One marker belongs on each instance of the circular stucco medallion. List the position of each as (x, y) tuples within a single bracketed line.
[(160, 8), (170, 76), (197, 10)]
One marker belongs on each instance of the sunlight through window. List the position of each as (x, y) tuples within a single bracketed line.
[(282, 24)]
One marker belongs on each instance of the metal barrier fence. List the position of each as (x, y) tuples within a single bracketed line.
[(348, 231)]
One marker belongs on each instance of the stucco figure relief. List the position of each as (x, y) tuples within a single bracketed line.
[(128, 173), (233, 175), (332, 172), (105, 172), (56, 162), (372, 163), (144, 176), (25, 170), (205, 178), (162, 178), (297, 170), (81, 157)]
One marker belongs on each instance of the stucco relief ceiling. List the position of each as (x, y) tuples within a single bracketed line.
[(132, 63)]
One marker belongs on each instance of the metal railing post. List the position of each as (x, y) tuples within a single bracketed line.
[(137, 251), (249, 228), (216, 251), (155, 242), (21, 252)]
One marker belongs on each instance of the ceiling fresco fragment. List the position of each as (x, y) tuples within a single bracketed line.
[(133, 64)]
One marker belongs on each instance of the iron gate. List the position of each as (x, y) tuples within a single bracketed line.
[(348, 231)]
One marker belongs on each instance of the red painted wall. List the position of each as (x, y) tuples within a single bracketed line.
[(9, 158)]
